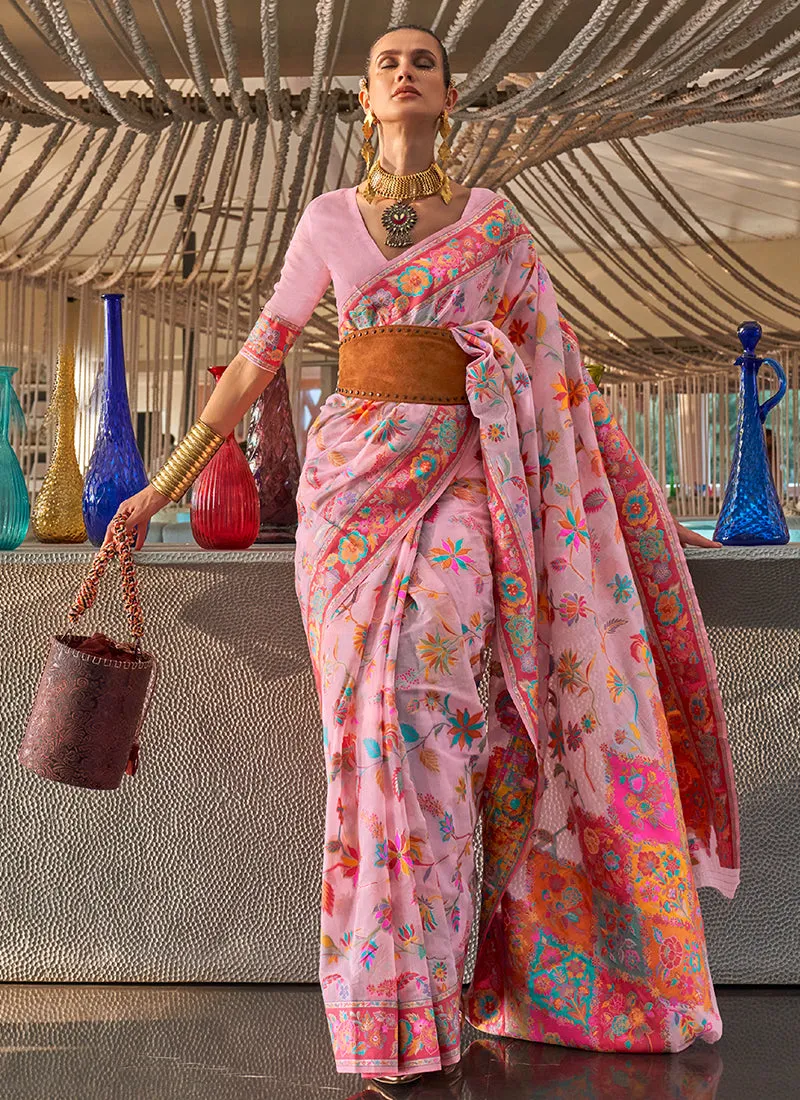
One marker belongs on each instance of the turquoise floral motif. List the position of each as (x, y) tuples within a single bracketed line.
[(352, 548), (388, 430), (493, 229), (520, 627), (414, 280), (651, 545), (513, 589), (636, 507), (623, 588), (452, 555), (465, 728), (561, 981), (668, 607), (424, 466), (448, 436), (619, 935), (364, 316)]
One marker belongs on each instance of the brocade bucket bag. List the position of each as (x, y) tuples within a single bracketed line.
[(93, 694)]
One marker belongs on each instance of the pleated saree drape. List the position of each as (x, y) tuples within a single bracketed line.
[(522, 521)]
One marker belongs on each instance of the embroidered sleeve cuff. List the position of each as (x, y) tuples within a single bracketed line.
[(269, 341)]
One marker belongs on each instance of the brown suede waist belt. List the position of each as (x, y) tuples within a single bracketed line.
[(416, 363)]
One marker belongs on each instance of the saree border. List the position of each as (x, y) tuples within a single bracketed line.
[(510, 227), (711, 736)]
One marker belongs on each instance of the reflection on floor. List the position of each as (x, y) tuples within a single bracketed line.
[(137, 1042)]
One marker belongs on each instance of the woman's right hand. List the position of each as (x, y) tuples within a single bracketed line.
[(138, 510)]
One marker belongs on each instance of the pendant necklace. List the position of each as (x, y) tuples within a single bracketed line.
[(400, 218)]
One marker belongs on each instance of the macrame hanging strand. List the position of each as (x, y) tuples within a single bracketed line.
[(199, 69), (200, 175), (170, 149), (399, 12), (48, 238), (281, 158), (236, 130), (122, 46), (679, 257), (114, 104), (308, 116), (256, 160), (93, 208), (24, 233), (144, 55), (145, 162)]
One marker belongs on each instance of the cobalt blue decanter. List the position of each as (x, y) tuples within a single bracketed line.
[(116, 470), (751, 512)]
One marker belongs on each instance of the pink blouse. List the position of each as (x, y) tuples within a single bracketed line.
[(331, 242)]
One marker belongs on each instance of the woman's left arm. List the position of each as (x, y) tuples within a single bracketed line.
[(688, 537)]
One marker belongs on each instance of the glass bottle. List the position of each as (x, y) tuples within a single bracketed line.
[(15, 508), (116, 470), (58, 511), (751, 513), (224, 511), (273, 458)]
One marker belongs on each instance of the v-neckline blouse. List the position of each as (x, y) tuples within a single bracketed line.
[(444, 230), (332, 243)]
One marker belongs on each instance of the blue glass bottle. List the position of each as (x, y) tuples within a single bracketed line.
[(751, 512), (15, 507), (116, 470)]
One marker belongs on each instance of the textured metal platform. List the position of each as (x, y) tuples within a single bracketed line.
[(206, 866)]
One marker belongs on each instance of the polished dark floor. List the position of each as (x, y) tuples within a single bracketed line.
[(219, 1042)]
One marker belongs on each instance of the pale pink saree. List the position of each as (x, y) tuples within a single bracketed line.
[(601, 770)]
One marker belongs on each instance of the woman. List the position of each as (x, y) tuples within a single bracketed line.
[(467, 485)]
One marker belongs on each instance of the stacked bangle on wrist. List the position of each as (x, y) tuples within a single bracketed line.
[(192, 454)]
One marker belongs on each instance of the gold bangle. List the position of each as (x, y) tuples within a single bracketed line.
[(192, 454)]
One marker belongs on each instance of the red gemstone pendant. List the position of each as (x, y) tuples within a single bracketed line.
[(398, 220)]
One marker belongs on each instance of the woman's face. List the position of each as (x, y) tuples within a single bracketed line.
[(406, 78)]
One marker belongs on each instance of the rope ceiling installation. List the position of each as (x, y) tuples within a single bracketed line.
[(633, 68)]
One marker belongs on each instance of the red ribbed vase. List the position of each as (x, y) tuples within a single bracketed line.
[(225, 509)]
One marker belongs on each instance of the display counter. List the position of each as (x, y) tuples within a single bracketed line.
[(205, 866)]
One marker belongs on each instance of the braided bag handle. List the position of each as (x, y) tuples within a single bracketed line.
[(121, 546)]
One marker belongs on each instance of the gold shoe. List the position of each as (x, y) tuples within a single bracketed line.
[(406, 1080)]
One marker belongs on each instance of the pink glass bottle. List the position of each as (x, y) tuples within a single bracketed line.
[(224, 511)]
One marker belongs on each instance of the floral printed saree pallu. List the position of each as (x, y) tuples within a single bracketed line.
[(523, 520)]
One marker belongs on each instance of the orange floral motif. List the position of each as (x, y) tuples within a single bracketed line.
[(569, 392)]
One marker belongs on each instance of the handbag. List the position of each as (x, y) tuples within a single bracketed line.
[(93, 695)]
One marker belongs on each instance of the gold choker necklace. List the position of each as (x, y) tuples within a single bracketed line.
[(400, 218)]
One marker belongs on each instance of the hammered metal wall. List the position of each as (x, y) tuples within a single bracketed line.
[(206, 865)]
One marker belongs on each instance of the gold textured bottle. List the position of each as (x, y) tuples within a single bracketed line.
[(58, 511)]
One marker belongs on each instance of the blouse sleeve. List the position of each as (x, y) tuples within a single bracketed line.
[(303, 280)]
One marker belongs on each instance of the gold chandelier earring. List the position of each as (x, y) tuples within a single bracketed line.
[(367, 148), (444, 130), (444, 154)]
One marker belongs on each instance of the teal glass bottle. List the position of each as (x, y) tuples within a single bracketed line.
[(15, 507)]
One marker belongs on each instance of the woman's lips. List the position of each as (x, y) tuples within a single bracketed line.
[(405, 92)]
